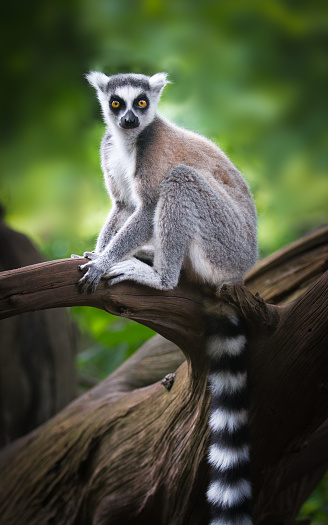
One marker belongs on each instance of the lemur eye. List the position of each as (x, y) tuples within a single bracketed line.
[(115, 104), (142, 103)]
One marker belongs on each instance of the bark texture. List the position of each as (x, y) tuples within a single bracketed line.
[(133, 449)]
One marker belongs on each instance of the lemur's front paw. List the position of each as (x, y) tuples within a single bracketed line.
[(89, 255), (92, 276), (133, 270), (123, 271)]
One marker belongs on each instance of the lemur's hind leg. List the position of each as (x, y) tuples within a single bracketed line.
[(176, 221)]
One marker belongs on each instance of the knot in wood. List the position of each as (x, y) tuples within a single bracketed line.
[(168, 381)]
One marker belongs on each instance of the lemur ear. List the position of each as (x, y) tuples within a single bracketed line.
[(158, 81), (97, 80)]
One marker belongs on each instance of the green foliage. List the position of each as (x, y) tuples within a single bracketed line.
[(123, 335), (249, 74), (316, 507)]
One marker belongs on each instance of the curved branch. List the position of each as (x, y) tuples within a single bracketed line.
[(54, 284)]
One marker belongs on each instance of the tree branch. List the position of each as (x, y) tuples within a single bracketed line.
[(54, 284)]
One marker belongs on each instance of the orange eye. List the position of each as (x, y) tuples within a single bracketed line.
[(142, 103), (115, 104)]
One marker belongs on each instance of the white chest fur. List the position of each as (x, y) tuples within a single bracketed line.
[(120, 162)]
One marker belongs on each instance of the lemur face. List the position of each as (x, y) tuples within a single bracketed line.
[(128, 101), (129, 106)]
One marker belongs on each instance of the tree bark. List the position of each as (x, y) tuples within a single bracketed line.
[(133, 450)]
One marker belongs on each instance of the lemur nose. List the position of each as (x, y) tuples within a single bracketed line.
[(129, 120)]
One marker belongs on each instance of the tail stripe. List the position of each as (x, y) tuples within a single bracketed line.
[(229, 492), (223, 458), (225, 345), (232, 475), (232, 514), (227, 420), (228, 496), (236, 439), (229, 327), (227, 382), (231, 401), (228, 363)]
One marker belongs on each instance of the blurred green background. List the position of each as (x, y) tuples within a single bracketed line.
[(251, 75)]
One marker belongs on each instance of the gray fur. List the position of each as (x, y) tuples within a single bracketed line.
[(172, 189)]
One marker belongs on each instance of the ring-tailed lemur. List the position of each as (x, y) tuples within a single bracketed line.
[(178, 192)]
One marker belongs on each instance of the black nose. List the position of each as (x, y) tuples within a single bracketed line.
[(129, 120)]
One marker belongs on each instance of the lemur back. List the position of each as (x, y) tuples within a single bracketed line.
[(180, 195)]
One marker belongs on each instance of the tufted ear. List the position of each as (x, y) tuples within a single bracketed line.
[(97, 80), (158, 81)]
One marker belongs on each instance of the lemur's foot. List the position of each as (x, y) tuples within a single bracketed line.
[(91, 255), (133, 270)]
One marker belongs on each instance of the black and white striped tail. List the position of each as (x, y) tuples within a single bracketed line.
[(229, 492)]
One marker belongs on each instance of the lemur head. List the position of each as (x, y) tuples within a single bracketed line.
[(128, 101)]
